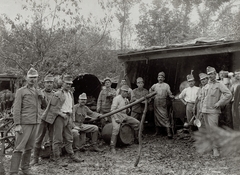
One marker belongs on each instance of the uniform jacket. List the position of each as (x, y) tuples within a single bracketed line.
[(54, 107), (137, 94), (26, 107), (105, 99), (81, 112), (214, 93)]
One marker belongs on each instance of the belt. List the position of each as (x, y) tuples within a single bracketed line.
[(191, 103)]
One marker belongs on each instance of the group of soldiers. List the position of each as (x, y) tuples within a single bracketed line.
[(37, 112)]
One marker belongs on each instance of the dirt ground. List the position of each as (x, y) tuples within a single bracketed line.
[(160, 156)]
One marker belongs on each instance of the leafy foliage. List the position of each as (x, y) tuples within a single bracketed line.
[(57, 39), (169, 22)]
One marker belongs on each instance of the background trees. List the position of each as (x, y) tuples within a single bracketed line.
[(57, 37)]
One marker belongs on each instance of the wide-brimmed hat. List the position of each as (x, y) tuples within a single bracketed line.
[(83, 96), (68, 79), (125, 88), (32, 73), (49, 78)]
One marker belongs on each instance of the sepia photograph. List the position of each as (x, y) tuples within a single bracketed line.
[(119, 87)]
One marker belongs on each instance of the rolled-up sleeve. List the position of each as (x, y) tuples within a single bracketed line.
[(17, 106)]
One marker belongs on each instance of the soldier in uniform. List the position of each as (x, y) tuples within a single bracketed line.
[(139, 92), (130, 91), (26, 107), (105, 99), (80, 112), (118, 102), (198, 104), (59, 112), (161, 117), (44, 127), (215, 95)]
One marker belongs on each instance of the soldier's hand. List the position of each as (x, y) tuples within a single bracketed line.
[(216, 105), (77, 128), (64, 116), (40, 93), (18, 128)]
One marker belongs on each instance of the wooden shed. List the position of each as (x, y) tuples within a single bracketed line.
[(178, 60)]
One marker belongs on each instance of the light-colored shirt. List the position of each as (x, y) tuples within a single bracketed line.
[(119, 102), (67, 105), (130, 93), (189, 94)]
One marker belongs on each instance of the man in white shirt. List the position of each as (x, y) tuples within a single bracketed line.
[(118, 102), (189, 96)]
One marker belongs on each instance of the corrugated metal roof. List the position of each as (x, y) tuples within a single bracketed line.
[(195, 47)]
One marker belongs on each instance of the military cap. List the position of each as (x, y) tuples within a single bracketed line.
[(224, 73), (139, 79), (107, 78), (190, 77), (68, 79), (125, 88), (161, 74), (49, 78), (237, 71), (32, 73), (210, 69), (83, 96), (202, 76)]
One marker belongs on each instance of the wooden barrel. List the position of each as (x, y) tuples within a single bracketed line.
[(125, 136)]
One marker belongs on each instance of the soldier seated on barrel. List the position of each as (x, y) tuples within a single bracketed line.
[(121, 101), (80, 112)]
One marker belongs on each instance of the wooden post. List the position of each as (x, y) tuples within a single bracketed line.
[(125, 107), (140, 133)]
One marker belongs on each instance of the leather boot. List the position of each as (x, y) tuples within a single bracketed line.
[(56, 157), (94, 142), (113, 144), (169, 133), (36, 153), (25, 164), (75, 159), (15, 162)]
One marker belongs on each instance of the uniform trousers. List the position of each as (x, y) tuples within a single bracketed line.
[(81, 133), (41, 133), (211, 120), (62, 132), (26, 140), (189, 111), (119, 118)]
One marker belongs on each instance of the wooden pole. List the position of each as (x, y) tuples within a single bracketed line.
[(125, 107), (140, 133)]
